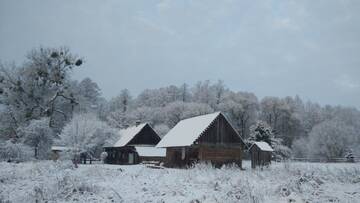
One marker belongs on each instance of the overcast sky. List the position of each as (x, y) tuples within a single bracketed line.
[(276, 48)]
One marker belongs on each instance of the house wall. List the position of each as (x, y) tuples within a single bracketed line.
[(259, 158), (217, 155), (174, 156), (147, 136), (152, 158), (120, 155), (220, 132), (221, 155)]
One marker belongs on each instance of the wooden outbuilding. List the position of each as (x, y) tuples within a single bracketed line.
[(260, 154), (57, 150), (136, 144), (206, 138)]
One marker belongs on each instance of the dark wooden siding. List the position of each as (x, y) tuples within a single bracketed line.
[(259, 158), (221, 155), (147, 136), (220, 132), (152, 158), (120, 155), (216, 155), (174, 156)]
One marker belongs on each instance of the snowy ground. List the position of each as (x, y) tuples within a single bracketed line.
[(292, 182)]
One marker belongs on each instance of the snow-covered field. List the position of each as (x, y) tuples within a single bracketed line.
[(47, 181)]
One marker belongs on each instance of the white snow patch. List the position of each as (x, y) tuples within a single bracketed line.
[(60, 148), (263, 146), (150, 151), (48, 181)]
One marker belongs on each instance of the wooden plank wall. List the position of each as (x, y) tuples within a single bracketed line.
[(220, 132), (146, 136)]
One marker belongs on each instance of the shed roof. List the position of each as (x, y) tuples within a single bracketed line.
[(149, 151), (187, 131), (126, 135), (60, 148), (264, 146)]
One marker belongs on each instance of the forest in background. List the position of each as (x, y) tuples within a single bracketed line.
[(41, 105)]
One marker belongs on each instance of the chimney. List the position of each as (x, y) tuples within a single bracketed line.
[(137, 123)]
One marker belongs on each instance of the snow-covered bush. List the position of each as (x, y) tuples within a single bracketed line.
[(39, 136), (85, 133), (10, 151), (261, 131), (300, 148), (331, 139)]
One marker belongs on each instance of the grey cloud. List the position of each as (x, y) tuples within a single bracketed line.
[(268, 47)]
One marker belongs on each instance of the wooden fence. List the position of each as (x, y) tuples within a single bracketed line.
[(327, 160)]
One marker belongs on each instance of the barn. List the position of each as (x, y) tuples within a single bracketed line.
[(136, 144), (260, 154), (206, 138)]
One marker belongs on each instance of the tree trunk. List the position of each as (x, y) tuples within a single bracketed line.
[(36, 152)]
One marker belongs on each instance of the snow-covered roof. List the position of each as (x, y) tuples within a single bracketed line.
[(126, 135), (151, 151), (187, 131), (264, 146), (60, 148)]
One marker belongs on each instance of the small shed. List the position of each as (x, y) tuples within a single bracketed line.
[(56, 150), (136, 144), (208, 138), (260, 154)]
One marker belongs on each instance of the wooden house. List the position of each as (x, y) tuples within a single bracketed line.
[(136, 144), (260, 154), (206, 138)]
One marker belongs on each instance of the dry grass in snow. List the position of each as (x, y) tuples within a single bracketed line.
[(47, 181)]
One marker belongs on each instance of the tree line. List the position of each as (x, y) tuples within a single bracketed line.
[(40, 105)]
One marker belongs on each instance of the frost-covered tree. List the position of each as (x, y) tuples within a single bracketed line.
[(88, 95), (177, 111), (12, 151), (203, 93), (86, 133), (141, 114), (39, 136), (7, 125), (219, 90), (284, 115), (89, 89), (300, 148), (332, 139), (241, 108), (121, 102), (118, 119), (185, 94), (313, 116), (161, 129), (159, 97), (261, 131), (290, 125), (40, 87)]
